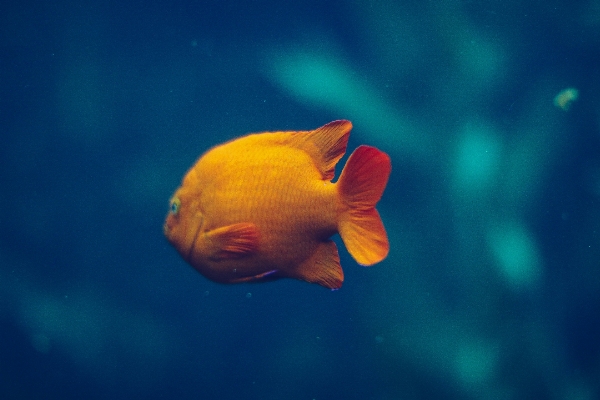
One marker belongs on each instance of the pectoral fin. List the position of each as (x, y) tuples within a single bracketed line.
[(233, 241)]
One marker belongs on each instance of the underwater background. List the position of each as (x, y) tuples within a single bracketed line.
[(491, 289)]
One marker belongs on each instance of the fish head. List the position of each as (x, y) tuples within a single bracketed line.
[(184, 221)]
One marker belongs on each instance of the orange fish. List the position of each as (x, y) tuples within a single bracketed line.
[(263, 207)]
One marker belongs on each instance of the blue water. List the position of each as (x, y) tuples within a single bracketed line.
[(491, 288)]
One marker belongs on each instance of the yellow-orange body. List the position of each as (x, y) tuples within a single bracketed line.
[(263, 207)]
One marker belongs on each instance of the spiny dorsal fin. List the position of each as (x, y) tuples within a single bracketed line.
[(326, 145)]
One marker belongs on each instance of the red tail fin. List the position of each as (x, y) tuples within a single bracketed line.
[(360, 187)]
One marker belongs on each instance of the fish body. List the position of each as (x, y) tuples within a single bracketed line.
[(263, 207)]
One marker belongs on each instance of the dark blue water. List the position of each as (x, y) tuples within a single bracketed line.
[(492, 285)]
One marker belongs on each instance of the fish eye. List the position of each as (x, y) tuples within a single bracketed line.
[(174, 206)]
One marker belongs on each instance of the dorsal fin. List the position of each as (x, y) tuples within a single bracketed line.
[(326, 145)]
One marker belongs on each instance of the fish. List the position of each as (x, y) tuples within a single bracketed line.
[(263, 207)]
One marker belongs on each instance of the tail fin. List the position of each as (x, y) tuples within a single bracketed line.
[(360, 187)]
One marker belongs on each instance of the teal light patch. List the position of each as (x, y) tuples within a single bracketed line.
[(477, 159), (476, 363), (320, 79), (516, 254), (482, 61)]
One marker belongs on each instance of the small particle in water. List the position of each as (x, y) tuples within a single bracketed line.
[(565, 98), (248, 295), (379, 339)]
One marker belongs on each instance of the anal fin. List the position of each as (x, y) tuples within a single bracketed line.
[(263, 277), (322, 267)]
